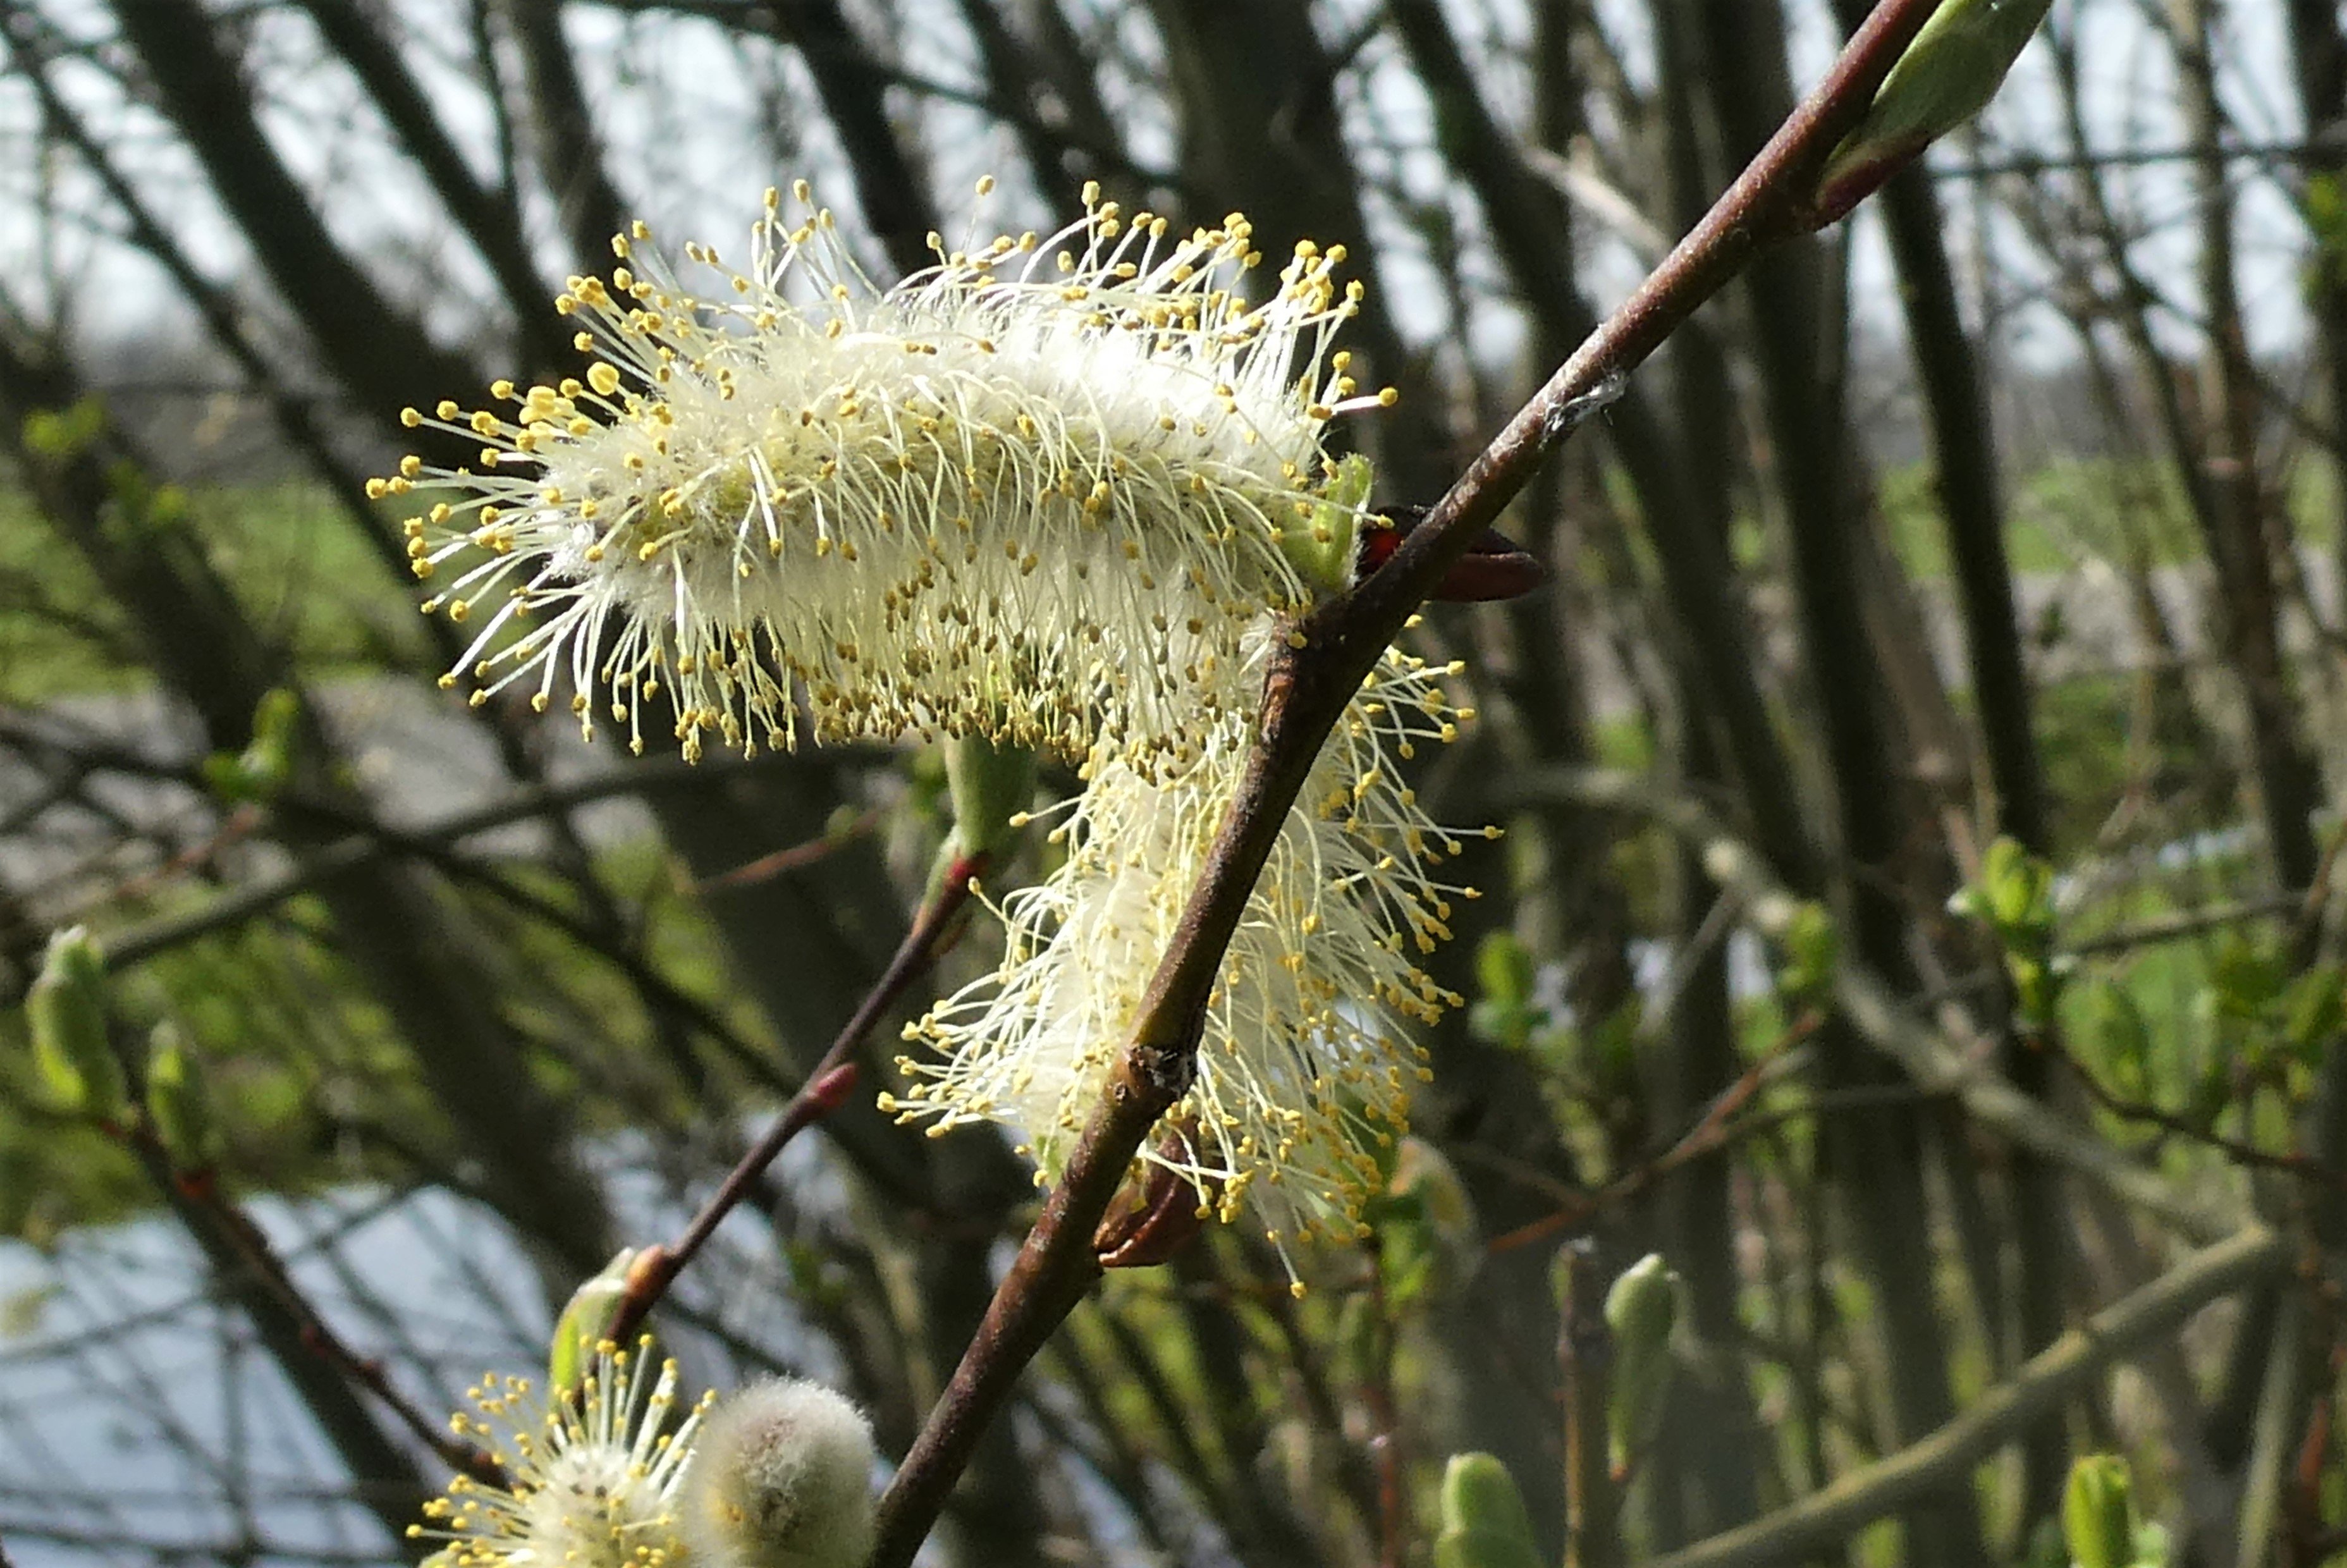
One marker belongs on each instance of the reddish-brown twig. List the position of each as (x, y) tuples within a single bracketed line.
[(1713, 1130), (791, 858), (826, 1087), (198, 1193), (2234, 1149)]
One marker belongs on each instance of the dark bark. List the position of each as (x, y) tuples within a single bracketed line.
[(1050, 100), (570, 153), (383, 356), (489, 215), (1966, 475), (2245, 532), (2216, 466), (385, 1479), (1257, 95), (1721, 1448), (1263, 1524), (2319, 54), (1527, 223), (807, 946), (895, 196), (404, 941)]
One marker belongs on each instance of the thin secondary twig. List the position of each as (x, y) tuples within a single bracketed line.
[(1311, 681), (2293, 151), (1717, 1126), (826, 1087), (2238, 1150), (2137, 1320), (792, 857), (2185, 923), (1586, 1356), (143, 942), (198, 1190)]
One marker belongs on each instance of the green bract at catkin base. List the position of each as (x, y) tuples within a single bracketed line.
[(1037, 493)]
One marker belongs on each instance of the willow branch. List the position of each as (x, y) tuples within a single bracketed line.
[(233, 1234), (1310, 682)]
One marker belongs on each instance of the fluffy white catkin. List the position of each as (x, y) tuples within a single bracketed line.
[(1037, 493), (780, 1478)]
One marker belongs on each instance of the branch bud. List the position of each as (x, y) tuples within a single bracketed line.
[(178, 1102), (586, 1320), (1322, 548), (1641, 1310), (2098, 1513), (1947, 75), (990, 785), (67, 1008), (1484, 1525)]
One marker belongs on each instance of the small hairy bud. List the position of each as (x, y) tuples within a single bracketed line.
[(781, 1479)]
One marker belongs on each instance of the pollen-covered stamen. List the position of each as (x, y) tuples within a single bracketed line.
[(593, 1480), (1037, 492)]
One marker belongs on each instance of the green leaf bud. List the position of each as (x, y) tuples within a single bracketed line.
[(1947, 74), (1641, 1311), (1483, 1522), (1812, 955), (780, 1478), (67, 1008), (2098, 1512), (1505, 974), (1429, 1241), (1323, 546), (991, 785), (264, 766), (2014, 896), (178, 1102)]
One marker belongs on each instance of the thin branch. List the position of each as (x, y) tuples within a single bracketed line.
[(1879, 1015), (828, 1087), (2294, 150), (2239, 1152), (239, 1237), (143, 942), (2134, 1323), (1311, 681), (792, 857), (123, 1543), (2187, 922)]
